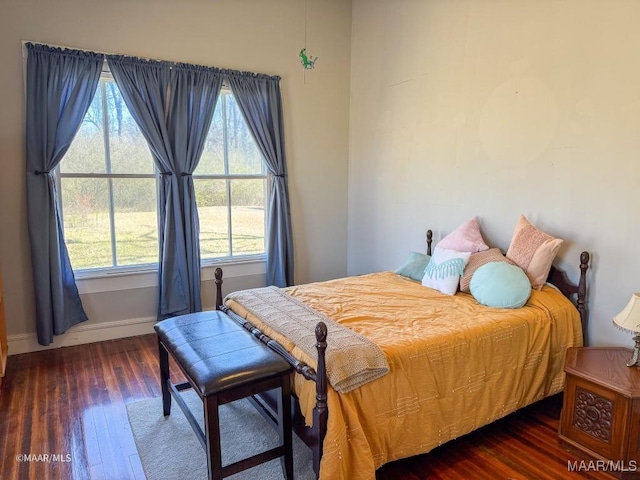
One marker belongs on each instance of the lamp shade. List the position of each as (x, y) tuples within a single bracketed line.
[(629, 317)]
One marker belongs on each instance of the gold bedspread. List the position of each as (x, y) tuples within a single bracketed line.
[(454, 365)]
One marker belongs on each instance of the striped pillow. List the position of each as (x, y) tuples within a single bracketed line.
[(476, 261)]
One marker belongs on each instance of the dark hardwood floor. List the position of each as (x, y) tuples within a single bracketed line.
[(71, 403)]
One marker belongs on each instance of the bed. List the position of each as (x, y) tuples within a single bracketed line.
[(454, 365)]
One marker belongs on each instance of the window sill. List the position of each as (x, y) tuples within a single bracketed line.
[(93, 282)]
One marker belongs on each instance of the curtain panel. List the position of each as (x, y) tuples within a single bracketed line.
[(260, 101), (60, 86), (173, 105)]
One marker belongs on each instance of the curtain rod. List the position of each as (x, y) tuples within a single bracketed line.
[(53, 45)]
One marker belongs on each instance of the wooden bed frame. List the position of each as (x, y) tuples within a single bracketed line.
[(315, 435)]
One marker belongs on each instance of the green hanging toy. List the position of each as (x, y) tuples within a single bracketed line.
[(308, 62)]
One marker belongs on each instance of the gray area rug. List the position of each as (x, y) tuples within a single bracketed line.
[(169, 448)]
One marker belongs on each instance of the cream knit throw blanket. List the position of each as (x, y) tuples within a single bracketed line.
[(352, 359)]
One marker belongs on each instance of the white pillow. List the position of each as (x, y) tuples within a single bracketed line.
[(444, 270)]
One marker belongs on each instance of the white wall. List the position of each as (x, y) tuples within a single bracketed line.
[(495, 109), (253, 35), (456, 108)]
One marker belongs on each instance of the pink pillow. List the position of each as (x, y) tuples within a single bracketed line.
[(465, 238), (533, 250)]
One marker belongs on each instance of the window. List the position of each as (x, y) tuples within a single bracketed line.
[(230, 183), (108, 185), (108, 188)]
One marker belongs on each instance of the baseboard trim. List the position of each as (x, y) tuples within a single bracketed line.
[(82, 333)]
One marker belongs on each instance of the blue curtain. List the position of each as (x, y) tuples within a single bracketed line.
[(260, 102), (173, 105), (60, 86)]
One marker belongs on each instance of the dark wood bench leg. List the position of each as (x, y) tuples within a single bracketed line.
[(284, 428), (164, 378), (212, 434)]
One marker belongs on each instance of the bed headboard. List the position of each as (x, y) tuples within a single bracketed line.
[(576, 293), (559, 279)]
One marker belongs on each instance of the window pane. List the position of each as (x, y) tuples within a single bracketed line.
[(244, 156), (212, 159), (87, 231), (86, 153), (128, 150), (136, 221), (211, 196), (247, 216)]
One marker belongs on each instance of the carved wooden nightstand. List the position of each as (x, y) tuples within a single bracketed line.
[(601, 410)]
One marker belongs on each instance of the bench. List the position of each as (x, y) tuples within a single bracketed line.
[(223, 363)]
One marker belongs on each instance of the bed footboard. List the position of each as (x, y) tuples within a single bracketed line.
[(319, 376)]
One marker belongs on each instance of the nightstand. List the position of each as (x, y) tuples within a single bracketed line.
[(601, 408)]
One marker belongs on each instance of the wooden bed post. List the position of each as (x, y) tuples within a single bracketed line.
[(429, 240), (582, 293), (560, 280), (218, 275), (319, 376), (320, 411)]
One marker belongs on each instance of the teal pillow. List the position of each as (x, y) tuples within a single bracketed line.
[(415, 266), (500, 285)]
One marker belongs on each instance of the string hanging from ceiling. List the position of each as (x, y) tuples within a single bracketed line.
[(308, 61)]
